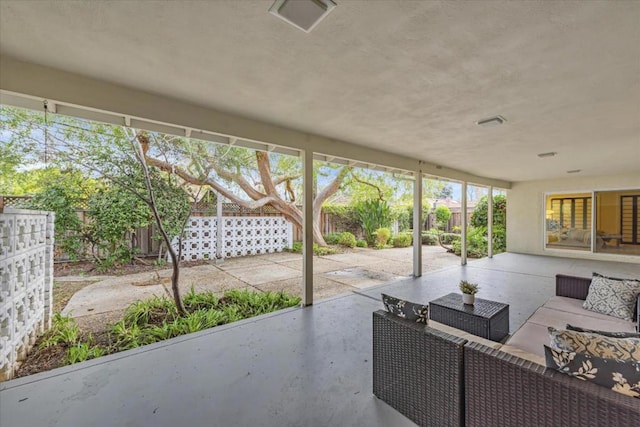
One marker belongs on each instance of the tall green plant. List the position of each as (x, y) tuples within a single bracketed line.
[(480, 215), (373, 214), (63, 200)]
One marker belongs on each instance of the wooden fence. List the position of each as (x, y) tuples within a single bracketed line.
[(146, 243)]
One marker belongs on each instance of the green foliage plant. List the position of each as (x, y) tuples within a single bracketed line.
[(361, 243), (468, 287), (443, 214), (348, 239), (480, 215), (64, 201), (382, 236), (402, 240), (332, 238), (373, 214), (83, 351), (64, 330)]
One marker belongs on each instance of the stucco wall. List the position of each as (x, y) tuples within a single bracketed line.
[(525, 212)]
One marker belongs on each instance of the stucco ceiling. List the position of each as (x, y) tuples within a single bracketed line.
[(407, 77)]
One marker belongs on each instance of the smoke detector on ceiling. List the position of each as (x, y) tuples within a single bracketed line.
[(302, 14)]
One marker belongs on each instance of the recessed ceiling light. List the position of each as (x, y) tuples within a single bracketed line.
[(302, 14), (549, 154), (491, 121), (574, 171)]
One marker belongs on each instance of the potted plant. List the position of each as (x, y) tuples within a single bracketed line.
[(469, 291)]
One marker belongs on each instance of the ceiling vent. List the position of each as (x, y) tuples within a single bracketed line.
[(302, 14), (491, 121)]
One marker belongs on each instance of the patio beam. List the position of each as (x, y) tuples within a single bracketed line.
[(490, 223), (307, 228), (23, 82), (417, 223), (463, 217)]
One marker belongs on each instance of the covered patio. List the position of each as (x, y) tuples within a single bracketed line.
[(504, 95), (300, 367)]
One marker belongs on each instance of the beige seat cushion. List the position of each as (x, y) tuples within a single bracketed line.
[(558, 312), (518, 352)]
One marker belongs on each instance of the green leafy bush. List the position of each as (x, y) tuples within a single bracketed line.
[(477, 245), (347, 239), (450, 238), (63, 200), (323, 250), (382, 236), (404, 215), (429, 238), (332, 238), (402, 240), (480, 215), (318, 250), (361, 243), (443, 214), (373, 214)]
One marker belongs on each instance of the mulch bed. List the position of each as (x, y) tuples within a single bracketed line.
[(89, 268)]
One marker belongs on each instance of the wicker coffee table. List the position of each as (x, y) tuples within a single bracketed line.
[(487, 319)]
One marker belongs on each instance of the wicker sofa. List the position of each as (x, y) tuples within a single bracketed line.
[(437, 378)]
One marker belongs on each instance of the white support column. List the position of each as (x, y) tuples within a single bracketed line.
[(307, 228), (463, 217), (417, 223), (490, 223), (219, 227)]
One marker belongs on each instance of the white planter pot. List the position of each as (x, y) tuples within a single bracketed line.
[(468, 299)]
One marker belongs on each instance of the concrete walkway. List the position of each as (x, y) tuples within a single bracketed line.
[(333, 275)]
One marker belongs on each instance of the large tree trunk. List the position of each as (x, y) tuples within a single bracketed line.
[(268, 196)]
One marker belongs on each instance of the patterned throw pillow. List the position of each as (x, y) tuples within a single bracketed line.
[(620, 376), (595, 345), (407, 310), (604, 333), (615, 297)]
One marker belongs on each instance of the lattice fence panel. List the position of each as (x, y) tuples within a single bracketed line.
[(241, 236), (26, 279)]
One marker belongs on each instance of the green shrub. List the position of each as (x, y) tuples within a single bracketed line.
[(373, 214), (347, 239), (402, 240), (333, 238), (477, 246), (382, 236), (480, 215), (429, 238), (450, 238), (443, 214), (318, 250), (361, 243), (64, 330), (83, 351), (323, 250)]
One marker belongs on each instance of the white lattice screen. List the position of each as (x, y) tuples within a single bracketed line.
[(241, 236), (26, 280)]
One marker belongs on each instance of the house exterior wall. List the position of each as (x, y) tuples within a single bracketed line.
[(526, 212)]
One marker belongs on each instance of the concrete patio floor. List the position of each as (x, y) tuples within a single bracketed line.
[(298, 367), (333, 275)]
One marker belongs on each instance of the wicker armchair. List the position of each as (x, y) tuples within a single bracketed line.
[(418, 370)]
